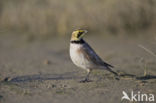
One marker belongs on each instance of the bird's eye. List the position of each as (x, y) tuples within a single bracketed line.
[(79, 34)]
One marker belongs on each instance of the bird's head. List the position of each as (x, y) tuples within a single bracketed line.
[(78, 35)]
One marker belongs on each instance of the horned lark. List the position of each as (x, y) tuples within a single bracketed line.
[(84, 56)]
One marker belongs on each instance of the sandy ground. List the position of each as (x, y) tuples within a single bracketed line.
[(42, 72)]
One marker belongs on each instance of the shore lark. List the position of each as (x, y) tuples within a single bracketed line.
[(84, 56)]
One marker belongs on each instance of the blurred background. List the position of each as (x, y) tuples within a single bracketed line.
[(46, 18)]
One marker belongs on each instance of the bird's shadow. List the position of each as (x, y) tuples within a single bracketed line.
[(146, 77), (42, 77), (67, 76)]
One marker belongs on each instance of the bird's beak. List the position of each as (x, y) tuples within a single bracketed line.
[(85, 31)]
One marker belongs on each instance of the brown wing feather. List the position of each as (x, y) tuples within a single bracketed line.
[(91, 55)]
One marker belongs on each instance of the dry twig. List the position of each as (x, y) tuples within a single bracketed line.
[(147, 50)]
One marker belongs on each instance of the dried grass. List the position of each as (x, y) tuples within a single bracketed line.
[(53, 17)]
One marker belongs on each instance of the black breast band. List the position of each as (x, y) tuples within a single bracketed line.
[(77, 41)]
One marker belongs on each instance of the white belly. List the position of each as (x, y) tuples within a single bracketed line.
[(78, 58)]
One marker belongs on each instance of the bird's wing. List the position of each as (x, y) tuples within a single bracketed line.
[(91, 55)]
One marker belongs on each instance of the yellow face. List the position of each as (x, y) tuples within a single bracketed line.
[(78, 34)]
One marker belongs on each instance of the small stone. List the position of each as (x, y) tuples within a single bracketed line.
[(7, 79), (46, 62), (53, 85), (1, 96)]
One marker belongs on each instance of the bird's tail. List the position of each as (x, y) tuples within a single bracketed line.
[(117, 76), (115, 73), (108, 67), (110, 70)]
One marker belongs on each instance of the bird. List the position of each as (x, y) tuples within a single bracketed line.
[(83, 56)]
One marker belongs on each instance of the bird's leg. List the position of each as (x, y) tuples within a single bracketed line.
[(87, 77)]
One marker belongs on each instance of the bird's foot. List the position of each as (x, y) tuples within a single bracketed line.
[(85, 80)]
